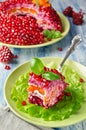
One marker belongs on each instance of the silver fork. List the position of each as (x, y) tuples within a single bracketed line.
[(75, 41)]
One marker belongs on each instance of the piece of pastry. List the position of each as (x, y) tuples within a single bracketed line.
[(45, 92)]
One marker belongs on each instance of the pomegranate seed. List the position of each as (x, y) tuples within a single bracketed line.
[(61, 97), (81, 80), (67, 94), (7, 67), (24, 103), (60, 49), (77, 18), (68, 11), (46, 68), (15, 56), (54, 71)]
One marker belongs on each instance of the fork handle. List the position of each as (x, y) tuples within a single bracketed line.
[(75, 41)]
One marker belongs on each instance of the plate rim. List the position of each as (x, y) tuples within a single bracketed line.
[(45, 123), (47, 43)]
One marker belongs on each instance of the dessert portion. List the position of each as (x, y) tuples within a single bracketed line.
[(22, 22), (43, 92), (47, 88)]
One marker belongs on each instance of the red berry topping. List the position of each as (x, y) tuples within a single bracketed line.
[(51, 18), (38, 78), (15, 56), (5, 54), (22, 23), (68, 11), (24, 103), (7, 67), (67, 94), (54, 71), (60, 49), (81, 80), (77, 18)]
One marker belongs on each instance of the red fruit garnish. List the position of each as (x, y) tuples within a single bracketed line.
[(67, 94), (60, 49), (61, 96), (22, 23), (5, 54), (68, 11), (81, 80), (7, 67), (15, 56), (51, 18), (24, 103), (77, 18)]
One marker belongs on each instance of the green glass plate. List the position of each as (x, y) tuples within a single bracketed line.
[(66, 27), (24, 68)]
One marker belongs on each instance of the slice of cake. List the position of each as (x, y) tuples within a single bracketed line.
[(45, 92)]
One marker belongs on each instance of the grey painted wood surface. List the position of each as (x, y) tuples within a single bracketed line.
[(8, 121)]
